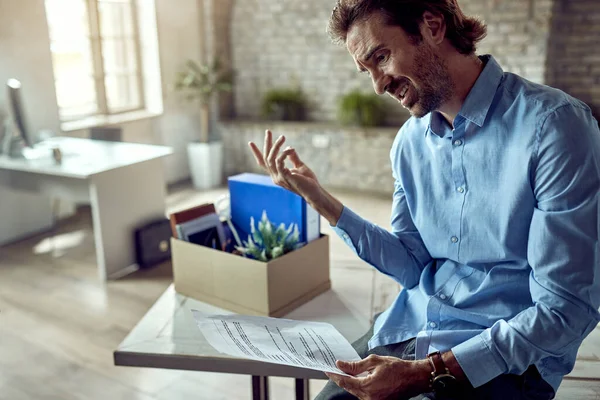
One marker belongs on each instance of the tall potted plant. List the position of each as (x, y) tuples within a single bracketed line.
[(201, 83)]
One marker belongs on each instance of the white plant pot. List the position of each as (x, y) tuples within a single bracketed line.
[(206, 164)]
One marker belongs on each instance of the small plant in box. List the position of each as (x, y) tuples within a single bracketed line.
[(269, 242)]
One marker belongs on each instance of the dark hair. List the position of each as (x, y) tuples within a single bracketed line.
[(462, 31)]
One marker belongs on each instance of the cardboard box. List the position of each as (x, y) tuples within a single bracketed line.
[(251, 287)]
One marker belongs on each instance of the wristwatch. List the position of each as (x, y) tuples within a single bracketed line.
[(442, 382)]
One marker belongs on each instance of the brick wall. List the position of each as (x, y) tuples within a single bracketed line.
[(282, 42), (573, 62), (279, 42), (331, 151), (518, 32)]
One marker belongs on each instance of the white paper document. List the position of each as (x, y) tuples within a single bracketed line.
[(313, 345)]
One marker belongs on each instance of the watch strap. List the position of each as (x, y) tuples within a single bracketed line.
[(442, 382), (437, 363)]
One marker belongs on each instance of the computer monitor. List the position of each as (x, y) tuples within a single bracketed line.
[(15, 112)]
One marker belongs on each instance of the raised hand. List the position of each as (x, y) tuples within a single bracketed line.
[(300, 179)]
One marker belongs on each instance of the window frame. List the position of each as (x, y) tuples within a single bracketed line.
[(99, 76)]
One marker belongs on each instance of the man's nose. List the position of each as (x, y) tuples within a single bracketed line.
[(380, 82)]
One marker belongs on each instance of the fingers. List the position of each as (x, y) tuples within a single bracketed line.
[(279, 164), (257, 155), (272, 156), (352, 384), (268, 143), (267, 158), (295, 159), (281, 172), (272, 161), (349, 384), (358, 367)]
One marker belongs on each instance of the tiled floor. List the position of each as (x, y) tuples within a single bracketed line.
[(59, 325)]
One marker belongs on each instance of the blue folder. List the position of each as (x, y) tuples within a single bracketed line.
[(250, 194)]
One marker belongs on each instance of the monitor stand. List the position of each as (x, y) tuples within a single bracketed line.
[(12, 144)]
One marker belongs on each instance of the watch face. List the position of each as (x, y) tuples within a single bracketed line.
[(445, 384)]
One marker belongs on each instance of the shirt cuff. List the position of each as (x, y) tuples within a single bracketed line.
[(478, 361), (349, 227)]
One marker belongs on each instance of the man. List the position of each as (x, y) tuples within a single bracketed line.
[(494, 221)]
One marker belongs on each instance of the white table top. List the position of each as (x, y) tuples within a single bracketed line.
[(82, 158), (168, 337)]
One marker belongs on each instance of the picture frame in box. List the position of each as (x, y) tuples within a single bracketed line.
[(206, 231)]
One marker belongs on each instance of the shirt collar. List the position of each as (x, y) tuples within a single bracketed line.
[(479, 100)]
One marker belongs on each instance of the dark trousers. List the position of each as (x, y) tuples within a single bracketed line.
[(529, 386)]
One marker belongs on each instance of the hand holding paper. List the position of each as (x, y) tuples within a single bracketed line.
[(313, 345)]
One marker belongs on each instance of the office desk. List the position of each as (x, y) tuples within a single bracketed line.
[(123, 182), (168, 337)]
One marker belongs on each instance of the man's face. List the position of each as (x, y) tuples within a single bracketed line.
[(412, 73)]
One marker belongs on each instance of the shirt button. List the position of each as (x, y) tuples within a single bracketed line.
[(443, 296), (461, 189), (432, 324), (458, 142), (454, 239)]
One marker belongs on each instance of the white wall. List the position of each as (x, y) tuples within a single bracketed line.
[(179, 39), (25, 55)]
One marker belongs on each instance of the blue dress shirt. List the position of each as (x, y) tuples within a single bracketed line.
[(494, 231)]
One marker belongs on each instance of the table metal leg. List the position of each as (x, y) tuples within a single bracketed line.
[(260, 388), (302, 389)]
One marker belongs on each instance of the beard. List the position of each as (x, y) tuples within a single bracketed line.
[(433, 85)]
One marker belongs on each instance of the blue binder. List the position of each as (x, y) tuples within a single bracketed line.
[(250, 194)]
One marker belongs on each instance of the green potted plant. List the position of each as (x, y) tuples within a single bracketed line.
[(201, 83), (284, 104), (361, 109)]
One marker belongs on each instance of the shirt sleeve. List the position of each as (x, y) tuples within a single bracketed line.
[(562, 250), (401, 254)]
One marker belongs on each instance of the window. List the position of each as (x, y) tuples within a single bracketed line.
[(95, 48)]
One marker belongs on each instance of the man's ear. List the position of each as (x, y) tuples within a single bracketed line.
[(433, 27)]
